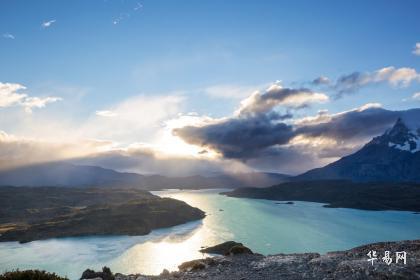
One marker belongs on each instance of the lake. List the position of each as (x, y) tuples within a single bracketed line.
[(262, 225)]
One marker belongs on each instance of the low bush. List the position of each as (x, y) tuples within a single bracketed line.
[(30, 275)]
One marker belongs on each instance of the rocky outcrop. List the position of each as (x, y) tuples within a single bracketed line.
[(227, 248), (106, 274), (351, 264)]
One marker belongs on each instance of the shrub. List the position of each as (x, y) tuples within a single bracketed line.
[(30, 275)]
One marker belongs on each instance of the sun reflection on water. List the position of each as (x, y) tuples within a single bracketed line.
[(169, 251)]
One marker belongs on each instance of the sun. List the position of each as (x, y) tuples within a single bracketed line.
[(171, 145)]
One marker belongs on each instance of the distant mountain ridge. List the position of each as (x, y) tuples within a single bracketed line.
[(69, 175), (392, 157)]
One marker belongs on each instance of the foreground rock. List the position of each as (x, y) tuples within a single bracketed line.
[(351, 264), (29, 214), (105, 274)]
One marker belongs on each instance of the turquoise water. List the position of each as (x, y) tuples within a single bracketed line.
[(264, 226)]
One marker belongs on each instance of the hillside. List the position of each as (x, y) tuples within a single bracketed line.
[(29, 214)]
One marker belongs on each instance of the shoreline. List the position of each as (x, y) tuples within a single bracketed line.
[(348, 264), (374, 196)]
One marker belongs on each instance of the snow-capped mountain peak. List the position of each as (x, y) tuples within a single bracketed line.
[(402, 138)]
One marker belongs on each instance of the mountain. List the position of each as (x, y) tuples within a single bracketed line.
[(393, 156), (69, 175), (65, 174)]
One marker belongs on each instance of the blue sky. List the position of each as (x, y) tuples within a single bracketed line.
[(96, 55)]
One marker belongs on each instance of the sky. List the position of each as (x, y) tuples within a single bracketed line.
[(194, 87)]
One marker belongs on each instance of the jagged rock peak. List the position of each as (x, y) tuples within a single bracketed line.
[(402, 138), (398, 128)]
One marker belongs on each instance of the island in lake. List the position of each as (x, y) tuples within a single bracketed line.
[(29, 214)]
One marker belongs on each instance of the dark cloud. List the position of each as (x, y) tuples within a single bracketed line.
[(321, 81), (240, 137), (261, 140), (353, 124), (350, 83), (256, 126), (277, 95)]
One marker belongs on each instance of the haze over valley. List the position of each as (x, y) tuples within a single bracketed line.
[(209, 139)]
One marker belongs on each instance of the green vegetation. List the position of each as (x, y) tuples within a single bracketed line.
[(30, 275)]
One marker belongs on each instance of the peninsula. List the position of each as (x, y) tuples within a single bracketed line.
[(29, 214)]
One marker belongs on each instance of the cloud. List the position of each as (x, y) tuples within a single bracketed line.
[(322, 80), (10, 95), (287, 159), (138, 6), (229, 91), (121, 17), (48, 23), (17, 151), (416, 50), (255, 126), (238, 137), (126, 15), (138, 117), (360, 123), (416, 96), (146, 160), (337, 135), (397, 77), (262, 136), (106, 113), (277, 95), (37, 102), (8, 36)]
